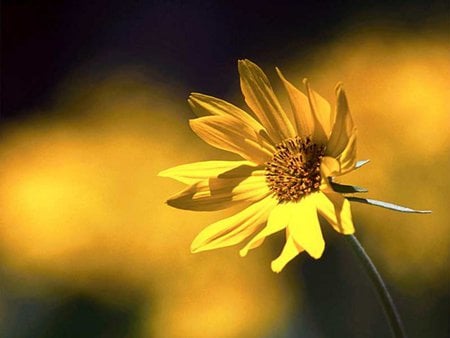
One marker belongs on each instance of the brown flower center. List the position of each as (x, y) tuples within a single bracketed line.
[(294, 170)]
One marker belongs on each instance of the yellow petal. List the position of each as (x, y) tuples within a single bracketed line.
[(347, 159), (336, 210), (221, 193), (329, 167), (304, 119), (234, 229), (304, 227), (290, 251), (278, 220), (208, 105), (322, 111), (228, 133), (194, 172), (259, 96), (343, 127)]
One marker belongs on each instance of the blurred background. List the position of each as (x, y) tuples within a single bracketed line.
[(93, 106)]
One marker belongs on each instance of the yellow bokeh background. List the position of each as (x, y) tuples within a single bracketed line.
[(82, 205)]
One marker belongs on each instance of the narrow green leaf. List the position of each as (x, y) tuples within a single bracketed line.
[(387, 205), (346, 189)]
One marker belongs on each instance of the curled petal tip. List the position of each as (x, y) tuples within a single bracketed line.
[(243, 252), (339, 86), (280, 74)]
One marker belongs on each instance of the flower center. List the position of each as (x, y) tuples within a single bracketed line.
[(294, 170)]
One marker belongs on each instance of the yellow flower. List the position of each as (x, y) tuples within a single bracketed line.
[(286, 177)]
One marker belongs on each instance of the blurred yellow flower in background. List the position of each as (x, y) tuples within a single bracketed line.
[(81, 208)]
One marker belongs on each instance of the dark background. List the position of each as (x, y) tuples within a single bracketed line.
[(193, 42)]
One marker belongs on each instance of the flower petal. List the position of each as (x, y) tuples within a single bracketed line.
[(259, 96), (304, 227), (321, 109), (234, 229), (228, 133), (347, 159), (278, 220), (290, 251), (221, 193), (208, 105), (336, 210), (194, 172), (343, 127), (329, 167), (304, 119)]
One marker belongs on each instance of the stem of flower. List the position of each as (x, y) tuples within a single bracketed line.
[(386, 300)]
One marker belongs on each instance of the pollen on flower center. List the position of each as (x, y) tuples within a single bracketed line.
[(294, 170)]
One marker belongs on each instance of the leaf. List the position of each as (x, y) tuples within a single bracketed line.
[(359, 164), (387, 205), (346, 189)]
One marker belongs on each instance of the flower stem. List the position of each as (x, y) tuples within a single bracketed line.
[(380, 287)]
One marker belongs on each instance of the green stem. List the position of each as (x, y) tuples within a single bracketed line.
[(380, 287)]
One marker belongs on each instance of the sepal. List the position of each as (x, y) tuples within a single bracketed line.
[(359, 164), (387, 205), (346, 189)]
